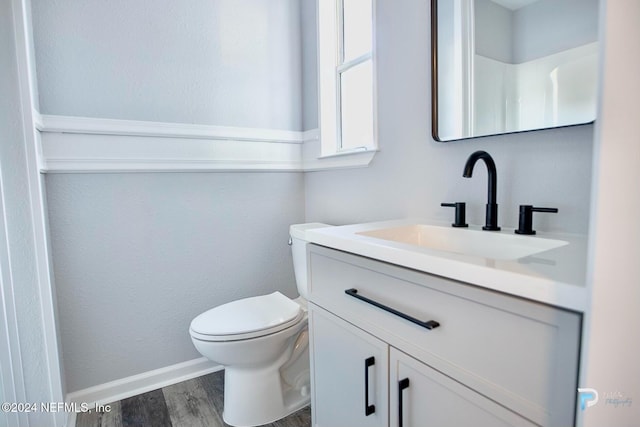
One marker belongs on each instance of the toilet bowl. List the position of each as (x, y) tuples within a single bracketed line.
[(262, 342)]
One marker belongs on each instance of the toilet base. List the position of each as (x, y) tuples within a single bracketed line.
[(253, 397)]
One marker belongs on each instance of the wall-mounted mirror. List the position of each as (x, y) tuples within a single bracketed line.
[(503, 66)]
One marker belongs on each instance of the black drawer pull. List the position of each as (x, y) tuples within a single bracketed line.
[(402, 385), (368, 409), (429, 324)]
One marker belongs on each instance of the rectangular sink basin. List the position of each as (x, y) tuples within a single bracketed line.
[(486, 244)]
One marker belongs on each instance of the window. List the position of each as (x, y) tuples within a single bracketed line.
[(346, 76)]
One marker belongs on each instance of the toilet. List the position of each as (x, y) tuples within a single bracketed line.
[(263, 344)]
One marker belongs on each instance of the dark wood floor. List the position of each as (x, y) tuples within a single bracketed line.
[(193, 403)]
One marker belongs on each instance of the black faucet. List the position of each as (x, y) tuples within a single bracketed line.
[(491, 222)]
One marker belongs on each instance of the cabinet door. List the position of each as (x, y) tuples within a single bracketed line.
[(422, 396), (349, 371)]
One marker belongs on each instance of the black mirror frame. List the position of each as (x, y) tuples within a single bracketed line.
[(434, 89)]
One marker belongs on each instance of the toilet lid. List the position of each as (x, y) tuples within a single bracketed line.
[(247, 318)]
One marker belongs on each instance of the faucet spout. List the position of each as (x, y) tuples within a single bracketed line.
[(491, 221)]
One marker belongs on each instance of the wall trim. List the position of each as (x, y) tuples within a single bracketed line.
[(99, 126), (75, 152), (11, 371), (94, 145), (53, 383), (141, 383)]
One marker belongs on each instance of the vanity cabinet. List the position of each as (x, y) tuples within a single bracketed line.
[(472, 356), (350, 374), (422, 396)]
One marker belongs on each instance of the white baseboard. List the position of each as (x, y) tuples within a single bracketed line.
[(137, 384)]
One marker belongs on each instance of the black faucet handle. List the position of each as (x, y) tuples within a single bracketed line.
[(525, 222), (461, 211)]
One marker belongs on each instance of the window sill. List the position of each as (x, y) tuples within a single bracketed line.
[(313, 160)]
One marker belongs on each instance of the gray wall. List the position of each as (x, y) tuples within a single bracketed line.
[(493, 31), (551, 26), (21, 271), (412, 174), (137, 256), (220, 62), (309, 64), (537, 30)]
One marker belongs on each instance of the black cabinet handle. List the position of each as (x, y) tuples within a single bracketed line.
[(402, 385), (368, 409), (429, 324)]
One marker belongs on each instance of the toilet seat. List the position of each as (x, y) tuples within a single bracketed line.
[(247, 318)]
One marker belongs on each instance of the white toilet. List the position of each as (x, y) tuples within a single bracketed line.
[(263, 344)]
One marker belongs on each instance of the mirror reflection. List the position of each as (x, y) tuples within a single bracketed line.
[(502, 66)]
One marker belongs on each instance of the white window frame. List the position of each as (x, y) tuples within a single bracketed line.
[(330, 67)]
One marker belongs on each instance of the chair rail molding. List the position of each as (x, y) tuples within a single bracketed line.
[(83, 144)]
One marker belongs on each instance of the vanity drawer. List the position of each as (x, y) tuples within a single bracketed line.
[(517, 352)]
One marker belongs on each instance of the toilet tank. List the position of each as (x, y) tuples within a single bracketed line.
[(299, 254)]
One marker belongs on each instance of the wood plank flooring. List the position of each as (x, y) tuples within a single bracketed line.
[(194, 403)]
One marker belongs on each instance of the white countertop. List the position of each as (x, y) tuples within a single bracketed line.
[(555, 276)]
